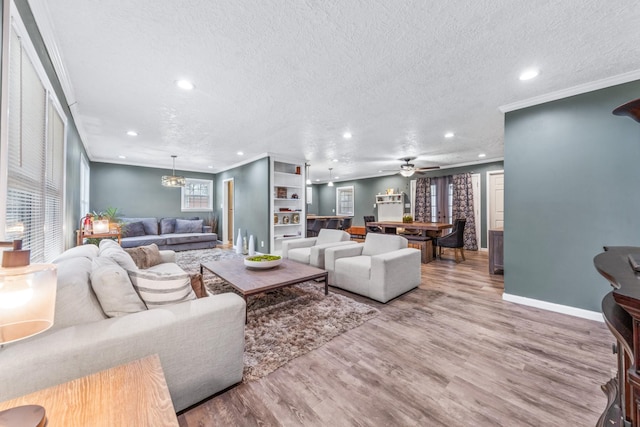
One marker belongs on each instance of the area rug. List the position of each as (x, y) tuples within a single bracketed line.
[(285, 323)]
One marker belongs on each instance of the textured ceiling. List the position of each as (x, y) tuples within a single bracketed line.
[(289, 77)]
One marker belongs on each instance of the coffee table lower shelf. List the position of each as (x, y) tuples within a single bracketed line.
[(249, 281)]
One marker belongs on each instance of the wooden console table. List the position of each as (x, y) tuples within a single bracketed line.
[(134, 394), (621, 312), (80, 236)]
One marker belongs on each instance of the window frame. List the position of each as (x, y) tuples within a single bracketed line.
[(352, 202), (184, 195)]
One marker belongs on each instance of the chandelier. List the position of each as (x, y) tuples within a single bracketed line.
[(173, 180)]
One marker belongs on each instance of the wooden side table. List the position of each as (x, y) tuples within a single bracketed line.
[(80, 236), (133, 394)]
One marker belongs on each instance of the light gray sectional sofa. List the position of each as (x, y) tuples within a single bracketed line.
[(177, 234), (200, 342)]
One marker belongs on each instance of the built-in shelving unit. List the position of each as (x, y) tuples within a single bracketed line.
[(287, 202), (390, 206)]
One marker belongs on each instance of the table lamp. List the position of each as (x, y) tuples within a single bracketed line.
[(27, 305)]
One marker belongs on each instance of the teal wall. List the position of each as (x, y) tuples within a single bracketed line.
[(324, 197), (571, 186), (137, 192), (74, 147), (251, 200)]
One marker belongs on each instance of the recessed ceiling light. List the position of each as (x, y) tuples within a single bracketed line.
[(240, 153), (210, 166), (132, 133), (122, 157), (448, 135), (185, 84), (380, 171), (481, 155), (529, 74), (336, 177), (347, 135), (317, 179), (335, 160)]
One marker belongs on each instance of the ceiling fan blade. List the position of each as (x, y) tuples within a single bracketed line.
[(427, 168)]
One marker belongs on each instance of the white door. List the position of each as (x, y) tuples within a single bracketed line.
[(496, 199)]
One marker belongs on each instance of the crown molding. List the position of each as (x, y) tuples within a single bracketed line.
[(572, 91), (40, 11)]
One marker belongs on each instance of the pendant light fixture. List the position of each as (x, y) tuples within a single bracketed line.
[(330, 184), (173, 180)]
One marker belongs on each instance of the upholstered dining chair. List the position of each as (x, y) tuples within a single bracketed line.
[(454, 240), (371, 228)]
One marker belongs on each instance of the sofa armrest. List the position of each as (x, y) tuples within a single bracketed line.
[(207, 229), (317, 255), (332, 254), (200, 344), (168, 255), (390, 271), (297, 243)]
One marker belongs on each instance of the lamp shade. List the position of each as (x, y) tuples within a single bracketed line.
[(407, 172), (27, 300), (101, 226)]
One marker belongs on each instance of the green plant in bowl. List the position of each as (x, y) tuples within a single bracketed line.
[(267, 257)]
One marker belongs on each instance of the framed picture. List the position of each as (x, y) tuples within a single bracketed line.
[(281, 192)]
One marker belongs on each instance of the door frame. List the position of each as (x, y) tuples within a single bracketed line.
[(225, 209), (476, 178), (488, 198)]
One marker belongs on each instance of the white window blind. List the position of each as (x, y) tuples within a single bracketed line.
[(85, 185), (35, 147)]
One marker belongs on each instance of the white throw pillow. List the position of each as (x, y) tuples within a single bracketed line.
[(114, 290), (111, 249), (160, 289)]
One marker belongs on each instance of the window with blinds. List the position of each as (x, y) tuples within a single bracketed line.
[(35, 153), (197, 195)]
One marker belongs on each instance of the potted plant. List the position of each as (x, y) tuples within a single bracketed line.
[(408, 219)]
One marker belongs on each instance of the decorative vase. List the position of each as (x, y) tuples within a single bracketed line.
[(245, 246), (252, 250), (239, 243)]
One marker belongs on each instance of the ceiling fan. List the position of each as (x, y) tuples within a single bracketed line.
[(407, 169)]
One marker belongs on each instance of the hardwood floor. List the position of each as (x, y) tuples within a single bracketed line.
[(451, 352)]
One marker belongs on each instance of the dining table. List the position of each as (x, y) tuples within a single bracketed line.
[(431, 229)]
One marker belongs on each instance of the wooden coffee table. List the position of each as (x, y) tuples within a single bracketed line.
[(250, 281)]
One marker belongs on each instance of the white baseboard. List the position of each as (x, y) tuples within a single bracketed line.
[(558, 308)]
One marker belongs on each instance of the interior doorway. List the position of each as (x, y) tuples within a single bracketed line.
[(495, 200), (227, 211)]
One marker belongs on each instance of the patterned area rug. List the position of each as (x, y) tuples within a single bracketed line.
[(285, 323)]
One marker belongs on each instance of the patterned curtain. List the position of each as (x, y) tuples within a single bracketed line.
[(423, 200), (463, 208)]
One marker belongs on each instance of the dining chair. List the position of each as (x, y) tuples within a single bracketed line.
[(317, 225), (454, 240), (346, 223), (333, 223)]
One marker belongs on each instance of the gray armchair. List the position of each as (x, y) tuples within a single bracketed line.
[(381, 268), (311, 250)]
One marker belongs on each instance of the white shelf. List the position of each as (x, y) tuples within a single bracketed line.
[(276, 199), (284, 184), (286, 225)]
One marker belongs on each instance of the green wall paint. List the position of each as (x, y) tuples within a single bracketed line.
[(571, 181), (251, 200), (324, 197), (137, 191)]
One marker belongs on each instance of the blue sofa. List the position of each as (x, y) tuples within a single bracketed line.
[(177, 234)]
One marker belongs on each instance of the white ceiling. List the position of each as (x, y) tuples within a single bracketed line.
[(289, 77)]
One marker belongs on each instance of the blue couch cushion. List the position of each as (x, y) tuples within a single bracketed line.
[(132, 242), (134, 229), (167, 225), (177, 239), (150, 224), (188, 226)]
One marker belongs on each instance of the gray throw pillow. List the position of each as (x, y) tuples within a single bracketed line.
[(167, 225), (134, 229), (188, 226), (114, 290), (110, 249)]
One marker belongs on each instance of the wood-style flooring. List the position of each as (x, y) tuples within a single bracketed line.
[(450, 353)]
